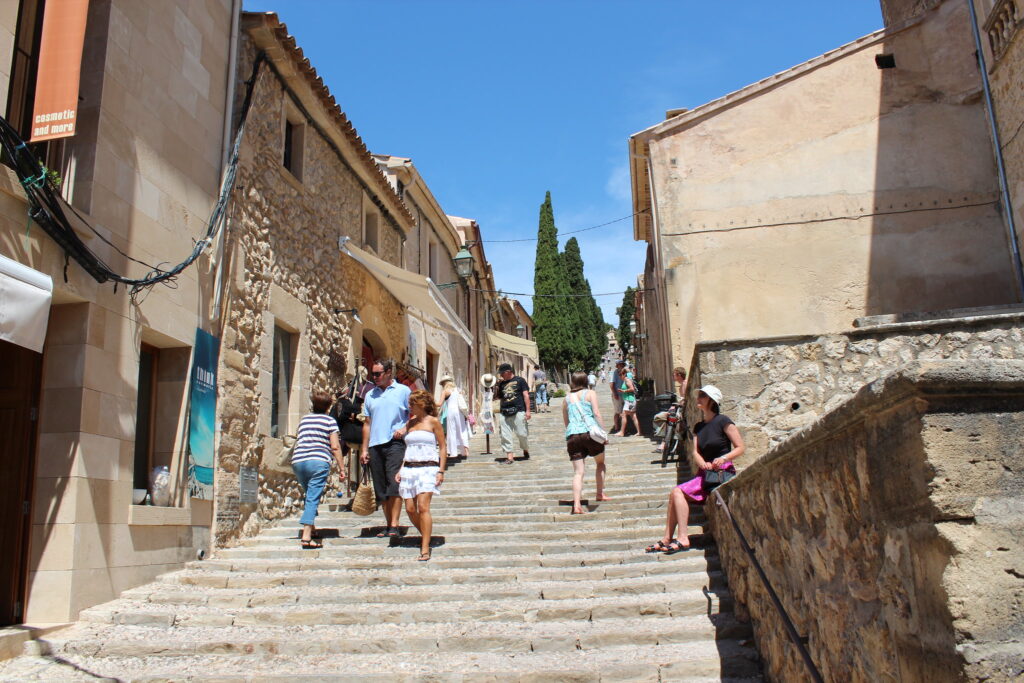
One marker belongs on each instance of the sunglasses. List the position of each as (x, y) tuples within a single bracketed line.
[(378, 373)]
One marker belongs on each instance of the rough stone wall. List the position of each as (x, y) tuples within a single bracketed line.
[(892, 531), (774, 388), (898, 11), (1007, 74), (287, 266)]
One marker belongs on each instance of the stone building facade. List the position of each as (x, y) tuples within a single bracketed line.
[(305, 180), (819, 195), (143, 168), (430, 248)]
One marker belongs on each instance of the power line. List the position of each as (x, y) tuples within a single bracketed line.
[(571, 232), (554, 296)]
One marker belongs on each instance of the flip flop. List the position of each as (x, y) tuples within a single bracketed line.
[(424, 557), (658, 547)]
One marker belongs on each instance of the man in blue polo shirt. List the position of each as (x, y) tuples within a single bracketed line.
[(386, 409)]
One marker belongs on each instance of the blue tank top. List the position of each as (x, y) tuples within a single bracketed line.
[(581, 414)]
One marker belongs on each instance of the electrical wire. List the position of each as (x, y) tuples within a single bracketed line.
[(571, 232), (555, 296), (47, 207)]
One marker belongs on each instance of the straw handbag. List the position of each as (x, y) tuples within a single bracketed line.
[(365, 501)]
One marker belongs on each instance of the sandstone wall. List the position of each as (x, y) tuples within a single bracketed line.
[(892, 531), (288, 271), (775, 387)]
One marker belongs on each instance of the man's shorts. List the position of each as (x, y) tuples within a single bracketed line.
[(385, 461), (617, 403), (513, 425)]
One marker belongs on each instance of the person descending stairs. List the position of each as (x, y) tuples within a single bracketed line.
[(517, 589)]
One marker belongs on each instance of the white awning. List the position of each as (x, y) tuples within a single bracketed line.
[(416, 292), (517, 345), (24, 304)]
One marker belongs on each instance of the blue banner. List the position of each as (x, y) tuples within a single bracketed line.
[(202, 412)]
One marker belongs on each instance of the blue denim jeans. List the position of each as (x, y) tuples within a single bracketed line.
[(312, 476), (542, 394)]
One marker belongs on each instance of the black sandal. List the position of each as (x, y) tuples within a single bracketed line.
[(312, 544), (675, 547), (658, 547)]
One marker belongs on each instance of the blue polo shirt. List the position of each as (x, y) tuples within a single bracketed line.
[(388, 410)]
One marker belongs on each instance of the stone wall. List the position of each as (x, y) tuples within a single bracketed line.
[(892, 531), (775, 387), (287, 271)]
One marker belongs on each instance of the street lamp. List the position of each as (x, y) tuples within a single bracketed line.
[(519, 330), (463, 263), (632, 326)]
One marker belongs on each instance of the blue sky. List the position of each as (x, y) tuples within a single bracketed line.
[(498, 102)]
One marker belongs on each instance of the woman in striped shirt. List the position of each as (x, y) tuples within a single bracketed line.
[(317, 442)]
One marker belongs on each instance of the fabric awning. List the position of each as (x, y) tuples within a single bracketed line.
[(517, 345), (24, 304), (412, 290)]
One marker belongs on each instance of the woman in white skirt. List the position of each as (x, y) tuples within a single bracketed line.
[(422, 472), (453, 418)]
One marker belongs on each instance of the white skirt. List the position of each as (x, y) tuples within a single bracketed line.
[(417, 480)]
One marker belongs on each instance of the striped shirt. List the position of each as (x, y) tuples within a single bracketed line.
[(314, 438)]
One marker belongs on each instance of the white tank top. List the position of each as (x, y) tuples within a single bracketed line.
[(421, 446)]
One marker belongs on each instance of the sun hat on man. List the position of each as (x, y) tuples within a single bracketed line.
[(446, 378), (712, 392)]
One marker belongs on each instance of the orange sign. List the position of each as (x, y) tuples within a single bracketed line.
[(60, 61)]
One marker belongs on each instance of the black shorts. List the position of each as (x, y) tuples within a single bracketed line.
[(580, 446), (385, 461)]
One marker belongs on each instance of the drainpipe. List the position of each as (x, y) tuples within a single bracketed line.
[(1004, 189)]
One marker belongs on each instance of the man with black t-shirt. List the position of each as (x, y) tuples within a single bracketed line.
[(515, 411)]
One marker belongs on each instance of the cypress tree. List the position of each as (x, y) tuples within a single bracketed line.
[(626, 312), (552, 330), (587, 342)]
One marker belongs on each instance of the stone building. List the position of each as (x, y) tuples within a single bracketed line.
[(100, 393), (322, 274), (820, 194), (431, 247), (511, 337)]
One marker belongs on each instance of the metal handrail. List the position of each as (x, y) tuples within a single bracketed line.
[(798, 640)]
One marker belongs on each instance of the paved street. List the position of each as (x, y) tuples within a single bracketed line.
[(518, 589)]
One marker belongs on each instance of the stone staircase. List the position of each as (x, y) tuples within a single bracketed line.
[(518, 589)]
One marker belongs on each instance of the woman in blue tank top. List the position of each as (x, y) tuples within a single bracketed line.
[(579, 411)]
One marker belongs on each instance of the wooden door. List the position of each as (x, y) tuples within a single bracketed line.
[(19, 399)]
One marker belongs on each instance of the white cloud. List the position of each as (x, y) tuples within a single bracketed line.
[(618, 184)]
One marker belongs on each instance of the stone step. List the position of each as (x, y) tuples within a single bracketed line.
[(488, 535), (607, 566), (562, 514), (331, 608), (514, 509), (496, 550), (575, 524), (725, 661), (105, 640)]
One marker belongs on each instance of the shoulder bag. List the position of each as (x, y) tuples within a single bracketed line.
[(365, 501), (715, 478), (593, 429)]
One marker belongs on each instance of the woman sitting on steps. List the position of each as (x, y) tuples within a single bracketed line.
[(716, 443)]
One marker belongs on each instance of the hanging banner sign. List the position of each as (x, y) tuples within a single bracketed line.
[(202, 412), (60, 61)]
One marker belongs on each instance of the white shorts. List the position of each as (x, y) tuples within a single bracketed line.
[(629, 406), (417, 480)]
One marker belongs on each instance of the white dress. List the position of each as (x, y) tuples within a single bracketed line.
[(420, 446), (456, 432)]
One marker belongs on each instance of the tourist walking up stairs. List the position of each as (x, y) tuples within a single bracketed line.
[(517, 589)]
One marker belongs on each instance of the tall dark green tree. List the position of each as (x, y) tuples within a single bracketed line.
[(626, 313), (588, 341), (551, 308)]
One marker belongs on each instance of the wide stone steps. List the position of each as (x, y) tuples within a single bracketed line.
[(92, 640), (517, 589), (691, 662)]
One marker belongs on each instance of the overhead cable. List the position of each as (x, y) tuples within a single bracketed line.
[(571, 232), (554, 296), (48, 208)]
